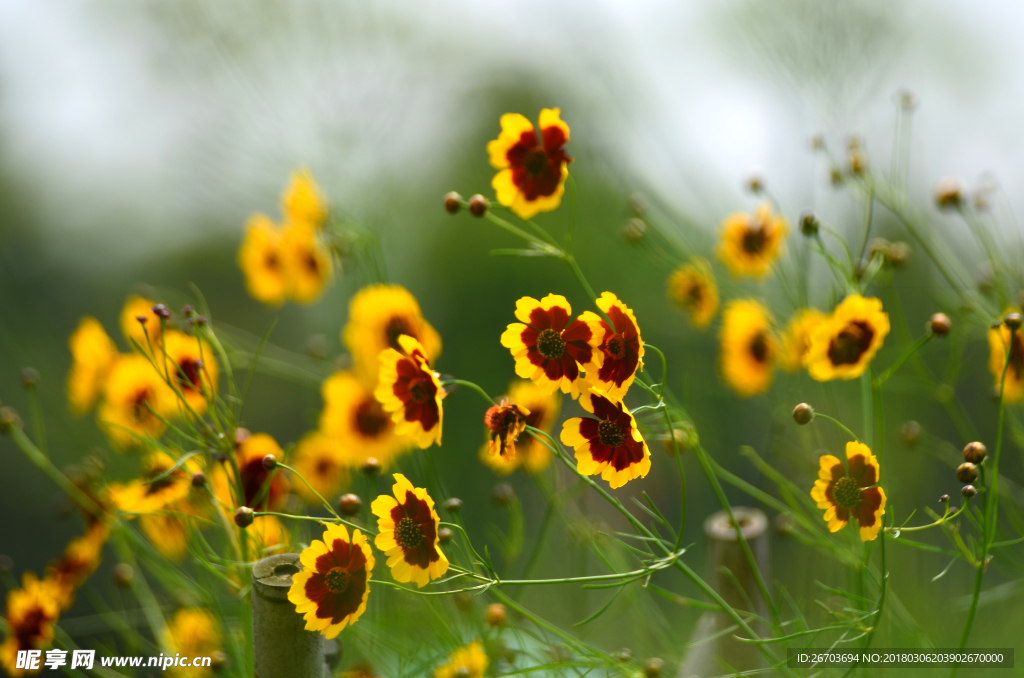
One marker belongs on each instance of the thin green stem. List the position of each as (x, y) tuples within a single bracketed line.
[(513, 229), (837, 423), (884, 377), (312, 489), (469, 384)]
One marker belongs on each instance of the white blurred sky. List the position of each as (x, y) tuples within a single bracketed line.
[(135, 125)]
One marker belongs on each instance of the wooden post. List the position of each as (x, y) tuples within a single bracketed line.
[(730, 575), (282, 648)]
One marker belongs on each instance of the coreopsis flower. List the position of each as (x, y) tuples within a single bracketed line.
[(135, 331), (504, 423), (93, 353), (466, 662), (79, 560), (192, 367), (998, 341), (166, 533), (752, 242), (158, 487), (303, 202), (621, 346), (411, 392), (377, 316), (307, 262), (407, 527), (749, 347), (261, 260), (692, 286), (843, 345), (192, 632), (548, 348), (531, 454), (796, 338), (135, 398), (332, 589), (851, 491), (31, 614), (320, 460), (532, 171), (261, 490), (609, 443), (357, 421)]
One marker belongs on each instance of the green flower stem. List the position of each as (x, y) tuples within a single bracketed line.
[(883, 585), (469, 384), (571, 260), (548, 626), (46, 466), (326, 503), (944, 519), (513, 229), (35, 409), (913, 348), (837, 423)]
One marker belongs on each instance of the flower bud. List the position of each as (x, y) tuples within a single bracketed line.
[(940, 324), (241, 435), (967, 472), (835, 175), (803, 414), (123, 574), (161, 311), (944, 499), (949, 193), (975, 452), (910, 431), (445, 535), (218, 661), (1013, 320), (371, 467), (653, 667), (244, 516), (858, 161), (755, 184), (818, 142), (634, 230), (638, 203), (495, 615), (968, 491), (809, 223), (478, 205), (880, 247), (269, 462), (452, 202), (29, 377), (899, 253), (9, 419), (452, 505), (143, 319), (623, 655), (198, 479), (349, 504), (503, 494)]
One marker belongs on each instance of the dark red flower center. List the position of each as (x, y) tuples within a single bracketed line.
[(550, 344), (408, 534), (29, 627), (312, 265), (338, 579), (420, 390), (610, 433), (140, 409), (158, 485), (759, 348), (396, 327), (271, 261), (846, 492), (1017, 355), (616, 346), (535, 417), (754, 240), (536, 161), (695, 293), (851, 343), (371, 420), (189, 374), (323, 467)]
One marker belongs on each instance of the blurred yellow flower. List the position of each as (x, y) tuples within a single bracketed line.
[(466, 662), (609, 443), (749, 347), (261, 260), (998, 341), (796, 339), (134, 398), (302, 201), (319, 459), (157, 488), (80, 559), (93, 353), (532, 455), (190, 363), (407, 527), (166, 533), (31, 614), (261, 491), (851, 493), (411, 392), (843, 345), (693, 287), (751, 243), (532, 171), (134, 329), (192, 632), (307, 262), (356, 420)]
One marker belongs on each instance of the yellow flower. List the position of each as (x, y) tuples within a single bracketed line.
[(504, 423), (998, 340), (192, 632), (261, 491), (31, 613), (411, 392), (846, 494), (133, 397), (751, 243), (268, 533), (146, 495), (532, 171), (621, 346), (407, 527), (303, 202), (796, 340), (191, 364), (92, 355), (307, 262), (692, 286), (465, 662), (359, 424), (134, 330), (167, 534), (531, 453), (748, 347), (610, 443), (261, 260), (332, 589), (377, 316), (843, 345), (319, 459), (80, 559)]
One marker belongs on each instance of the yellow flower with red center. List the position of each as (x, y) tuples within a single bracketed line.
[(531, 454), (851, 491), (191, 366), (693, 287), (307, 262), (192, 632), (377, 316), (752, 242), (532, 171), (80, 559), (302, 201), (135, 331), (332, 589), (796, 339), (411, 392), (749, 347), (135, 398), (550, 349), (465, 662), (93, 353), (261, 259), (31, 614), (407, 526), (843, 345), (262, 490), (504, 423), (356, 420), (158, 487), (609, 443), (320, 460), (621, 346), (999, 345)]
